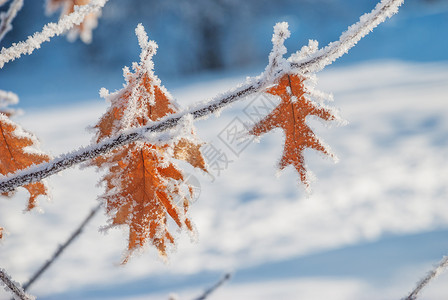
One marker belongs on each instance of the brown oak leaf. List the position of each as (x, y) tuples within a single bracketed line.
[(18, 151), (290, 115), (136, 110), (141, 192), (143, 184)]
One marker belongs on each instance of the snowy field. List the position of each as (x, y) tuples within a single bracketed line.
[(372, 226)]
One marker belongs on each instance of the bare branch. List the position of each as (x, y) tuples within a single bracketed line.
[(313, 63), (14, 287), (441, 266), (216, 286), (49, 31), (61, 248), (6, 18)]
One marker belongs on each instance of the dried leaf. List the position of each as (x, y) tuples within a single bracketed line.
[(122, 113), (18, 151), (191, 153), (143, 185), (290, 115), (141, 195)]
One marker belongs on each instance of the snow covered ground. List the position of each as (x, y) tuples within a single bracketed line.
[(373, 225)]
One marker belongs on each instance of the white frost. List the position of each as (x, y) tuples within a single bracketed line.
[(50, 30)]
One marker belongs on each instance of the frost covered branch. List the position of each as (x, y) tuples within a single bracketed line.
[(61, 248), (314, 62), (49, 31), (367, 22), (6, 18), (276, 61), (441, 266), (14, 287)]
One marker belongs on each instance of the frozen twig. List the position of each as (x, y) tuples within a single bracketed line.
[(441, 266), (313, 63), (14, 287), (6, 18), (216, 286), (61, 248), (50, 30), (367, 22)]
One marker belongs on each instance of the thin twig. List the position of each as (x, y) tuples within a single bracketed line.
[(48, 31), (367, 22), (312, 63), (441, 266), (6, 18), (216, 286), (61, 248), (14, 287)]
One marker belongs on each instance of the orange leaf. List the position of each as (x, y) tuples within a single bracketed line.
[(17, 152), (112, 121), (141, 194), (191, 153), (143, 185), (290, 115)]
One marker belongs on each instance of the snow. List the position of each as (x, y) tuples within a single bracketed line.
[(374, 225)]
